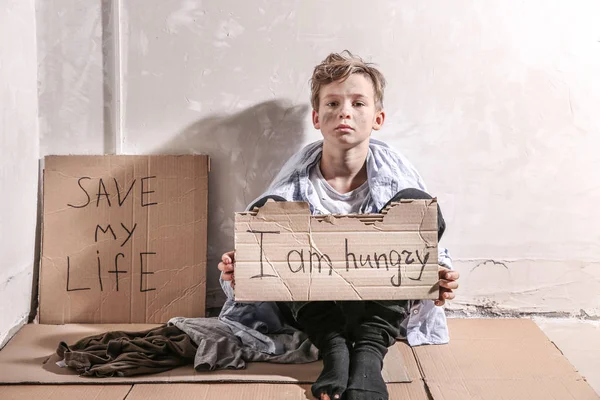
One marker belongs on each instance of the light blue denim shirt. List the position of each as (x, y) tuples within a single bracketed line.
[(388, 172)]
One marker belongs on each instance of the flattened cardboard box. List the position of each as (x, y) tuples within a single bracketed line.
[(486, 359), (284, 253), (124, 238), (30, 357), (499, 359)]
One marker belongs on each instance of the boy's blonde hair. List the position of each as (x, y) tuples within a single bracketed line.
[(338, 67)]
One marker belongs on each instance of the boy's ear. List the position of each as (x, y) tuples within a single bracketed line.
[(378, 120), (315, 119)]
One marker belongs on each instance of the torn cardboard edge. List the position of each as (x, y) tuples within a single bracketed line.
[(283, 253), (30, 358)]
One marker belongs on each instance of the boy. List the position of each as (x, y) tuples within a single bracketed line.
[(346, 173)]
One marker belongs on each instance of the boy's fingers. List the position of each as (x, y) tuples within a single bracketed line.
[(227, 268), (448, 295), (448, 284), (445, 294), (451, 275), (228, 258)]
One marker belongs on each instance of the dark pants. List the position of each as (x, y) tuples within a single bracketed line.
[(356, 320)]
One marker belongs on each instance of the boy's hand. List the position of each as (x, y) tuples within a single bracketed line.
[(227, 265), (447, 283)]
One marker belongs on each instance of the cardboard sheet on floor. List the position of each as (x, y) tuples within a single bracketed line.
[(30, 358), (499, 359), (254, 391), (197, 391), (64, 392), (486, 359)]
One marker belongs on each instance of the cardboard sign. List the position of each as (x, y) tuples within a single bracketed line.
[(284, 253), (124, 238)]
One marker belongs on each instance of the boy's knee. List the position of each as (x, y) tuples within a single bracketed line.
[(417, 194), (261, 202), (413, 194), (409, 194), (295, 307)]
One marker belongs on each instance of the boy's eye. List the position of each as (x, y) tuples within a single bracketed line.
[(332, 104), (359, 104)]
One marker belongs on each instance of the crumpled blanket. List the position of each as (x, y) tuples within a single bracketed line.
[(118, 354), (208, 343)]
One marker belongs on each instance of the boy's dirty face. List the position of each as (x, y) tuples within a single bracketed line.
[(347, 112)]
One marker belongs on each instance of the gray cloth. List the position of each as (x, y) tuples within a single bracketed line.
[(251, 322), (219, 347)]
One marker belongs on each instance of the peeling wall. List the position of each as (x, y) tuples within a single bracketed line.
[(18, 162), (496, 103)]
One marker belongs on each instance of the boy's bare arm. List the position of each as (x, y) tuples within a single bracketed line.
[(226, 266)]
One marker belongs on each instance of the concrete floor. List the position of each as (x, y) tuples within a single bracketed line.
[(579, 341)]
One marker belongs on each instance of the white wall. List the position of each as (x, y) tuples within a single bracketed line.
[(495, 102), (71, 78), (18, 162)]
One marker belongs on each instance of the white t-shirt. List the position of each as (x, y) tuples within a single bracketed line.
[(333, 202)]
